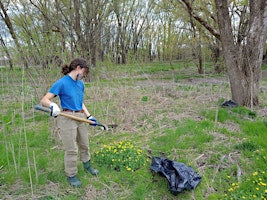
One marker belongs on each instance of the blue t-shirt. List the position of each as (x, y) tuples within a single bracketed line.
[(70, 92)]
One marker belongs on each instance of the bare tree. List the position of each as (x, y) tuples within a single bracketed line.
[(244, 59), (9, 24), (44, 37), (98, 11), (131, 18), (242, 55)]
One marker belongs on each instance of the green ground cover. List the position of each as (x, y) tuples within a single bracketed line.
[(160, 110)]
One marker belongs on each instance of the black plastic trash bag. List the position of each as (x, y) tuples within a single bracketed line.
[(179, 176), (229, 103)]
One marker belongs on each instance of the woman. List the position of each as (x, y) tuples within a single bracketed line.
[(70, 90)]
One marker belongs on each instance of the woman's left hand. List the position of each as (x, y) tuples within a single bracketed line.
[(93, 119)]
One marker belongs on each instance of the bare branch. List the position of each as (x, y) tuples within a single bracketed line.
[(190, 10)]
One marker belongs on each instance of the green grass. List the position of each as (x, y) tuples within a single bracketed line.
[(159, 111), (235, 114), (264, 67)]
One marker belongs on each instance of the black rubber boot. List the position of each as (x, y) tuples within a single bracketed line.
[(74, 181), (88, 168)]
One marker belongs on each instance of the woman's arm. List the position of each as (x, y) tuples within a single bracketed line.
[(86, 112), (46, 100)]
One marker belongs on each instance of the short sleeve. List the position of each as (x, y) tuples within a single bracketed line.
[(56, 88)]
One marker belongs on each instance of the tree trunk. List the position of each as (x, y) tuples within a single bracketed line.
[(244, 62), (216, 52), (197, 49), (78, 28), (200, 61), (96, 40), (150, 52), (7, 52)]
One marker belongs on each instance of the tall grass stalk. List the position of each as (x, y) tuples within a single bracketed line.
[(19, 149), (6, 145), (14, 157), (35, 168), (28, 158), (216, 117), (24, 128)]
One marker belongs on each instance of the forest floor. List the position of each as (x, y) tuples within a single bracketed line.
[(161, 112)]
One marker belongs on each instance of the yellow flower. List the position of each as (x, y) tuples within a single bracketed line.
[(257, 188), (228, 176), (263, 184), (255, 173), (266, 191)]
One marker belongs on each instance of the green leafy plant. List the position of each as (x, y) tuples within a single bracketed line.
[(145, 98), (247, 146), (122, 155), (255, 187)]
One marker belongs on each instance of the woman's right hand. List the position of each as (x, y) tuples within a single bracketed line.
[(54, 109)]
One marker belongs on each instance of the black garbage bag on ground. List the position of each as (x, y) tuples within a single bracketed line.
[(179, 176), (229, 103)]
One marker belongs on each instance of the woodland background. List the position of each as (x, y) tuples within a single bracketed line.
[(160, 70)]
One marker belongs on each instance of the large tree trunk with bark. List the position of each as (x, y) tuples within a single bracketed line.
[(242, 51), (244, 61)]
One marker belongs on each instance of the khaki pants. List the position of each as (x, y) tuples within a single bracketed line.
[(74, 137)]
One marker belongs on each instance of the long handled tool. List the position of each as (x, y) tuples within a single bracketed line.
[(38, 107)]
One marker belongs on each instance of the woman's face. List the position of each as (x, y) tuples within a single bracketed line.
[(81, 73)]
